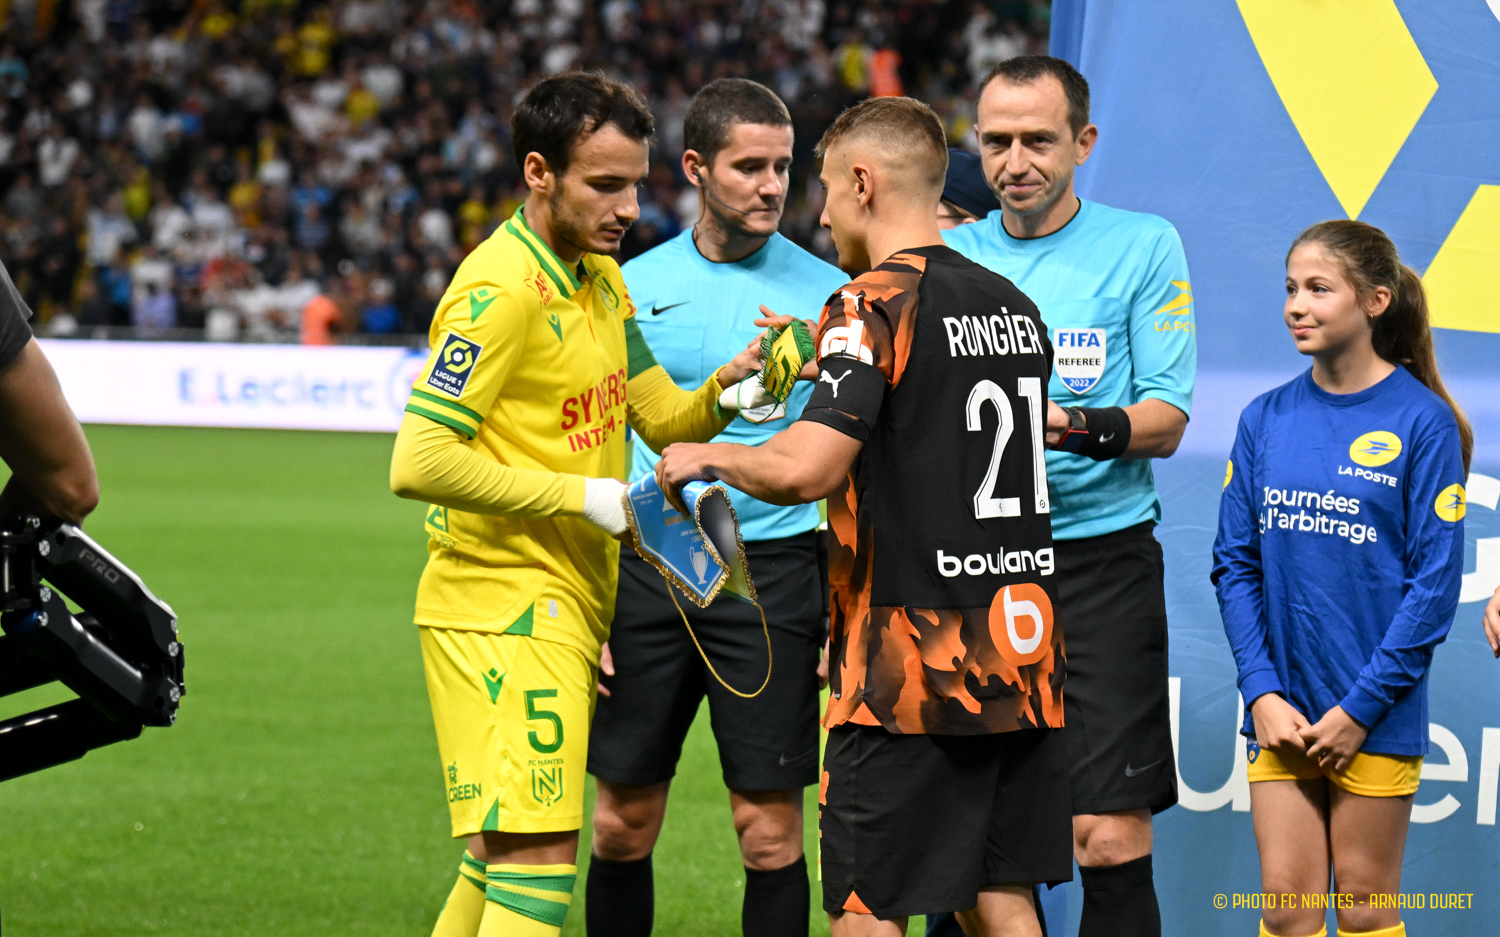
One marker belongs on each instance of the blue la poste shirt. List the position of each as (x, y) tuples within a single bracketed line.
[(696, 315), (1340, 551), (1113, 290)]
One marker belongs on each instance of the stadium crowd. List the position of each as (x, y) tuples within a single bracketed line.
[(268, 170)]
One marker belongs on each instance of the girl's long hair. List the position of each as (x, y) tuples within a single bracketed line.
[(1401, 334)]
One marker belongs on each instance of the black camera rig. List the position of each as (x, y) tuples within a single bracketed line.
[(119, 653)]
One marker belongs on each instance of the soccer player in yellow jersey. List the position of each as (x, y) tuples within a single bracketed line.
[(515, 435)]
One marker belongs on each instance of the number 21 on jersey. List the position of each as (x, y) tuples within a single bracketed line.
[(1029, 389)]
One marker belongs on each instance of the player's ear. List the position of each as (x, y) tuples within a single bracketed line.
[(864, 188), (538, 175)]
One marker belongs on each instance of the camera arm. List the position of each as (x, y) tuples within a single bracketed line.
[(120, 653)]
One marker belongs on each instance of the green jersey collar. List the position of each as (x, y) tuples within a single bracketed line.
[(557, 271)]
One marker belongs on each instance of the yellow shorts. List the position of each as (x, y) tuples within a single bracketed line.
[(1369, 774), (512, 714)]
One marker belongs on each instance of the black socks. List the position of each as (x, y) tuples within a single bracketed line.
[(1120, 901), (776, 902), (620, 898)]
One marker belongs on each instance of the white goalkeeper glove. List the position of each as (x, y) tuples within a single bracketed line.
[(604, 505)]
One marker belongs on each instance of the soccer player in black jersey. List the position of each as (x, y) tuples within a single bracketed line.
[(943, 787)]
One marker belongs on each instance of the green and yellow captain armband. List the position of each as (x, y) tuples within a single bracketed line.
[(785, 351)]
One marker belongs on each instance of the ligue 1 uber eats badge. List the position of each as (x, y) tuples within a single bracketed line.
[(1080, 358)]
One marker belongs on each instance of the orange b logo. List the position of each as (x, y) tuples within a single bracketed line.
[(1021, 623)]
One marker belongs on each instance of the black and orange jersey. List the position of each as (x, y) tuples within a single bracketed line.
[(940, 547)]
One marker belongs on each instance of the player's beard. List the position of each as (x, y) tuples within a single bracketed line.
[(570, 226)]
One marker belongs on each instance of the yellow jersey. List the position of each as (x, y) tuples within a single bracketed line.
[(529, 361)]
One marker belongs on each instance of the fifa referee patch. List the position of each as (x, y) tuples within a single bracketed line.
[(455, 362)]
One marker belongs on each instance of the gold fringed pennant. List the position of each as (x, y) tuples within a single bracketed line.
[(700, 554)]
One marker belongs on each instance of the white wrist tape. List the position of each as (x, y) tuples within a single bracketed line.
[(603, 504)]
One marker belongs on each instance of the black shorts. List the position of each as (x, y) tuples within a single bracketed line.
[(1113, 608), (918, 824), (767, 743)]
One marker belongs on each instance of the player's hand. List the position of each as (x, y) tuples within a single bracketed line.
[(823, 667), (1278, 724), (606, 667), (744, 364), (1057, 423), (683, 462), (1335, 740), (1492, 622), (770, 320)]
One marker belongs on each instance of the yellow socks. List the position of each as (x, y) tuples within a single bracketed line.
[(1398, 931), (507, 900), (465, 907), (527, 900), (1322, 931)]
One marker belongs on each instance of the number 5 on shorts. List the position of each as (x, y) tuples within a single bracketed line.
[(535, 712)]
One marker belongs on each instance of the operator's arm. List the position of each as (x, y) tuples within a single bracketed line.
[(52, 470)]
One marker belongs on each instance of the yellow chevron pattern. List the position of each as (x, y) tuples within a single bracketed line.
[(1352, 79)]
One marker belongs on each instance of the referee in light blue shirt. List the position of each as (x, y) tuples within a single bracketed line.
[(1113, 289), (696, 296)]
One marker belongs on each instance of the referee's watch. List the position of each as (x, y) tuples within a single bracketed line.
[(1077, 434)]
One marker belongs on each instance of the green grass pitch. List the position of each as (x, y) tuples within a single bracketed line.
[(300, 791)]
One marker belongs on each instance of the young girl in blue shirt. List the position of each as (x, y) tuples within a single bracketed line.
[(1338, 565)]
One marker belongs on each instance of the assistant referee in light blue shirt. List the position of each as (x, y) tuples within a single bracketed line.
[(695, 296), (1113, 290)]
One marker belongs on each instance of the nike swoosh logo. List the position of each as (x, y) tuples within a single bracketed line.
[(796, 758), (477, 308), (1107, 439), (1132, 772), (658, 310)]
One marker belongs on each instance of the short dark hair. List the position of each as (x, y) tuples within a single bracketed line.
[(720, 105), (561, 109), (901, 124), (1025, 69)]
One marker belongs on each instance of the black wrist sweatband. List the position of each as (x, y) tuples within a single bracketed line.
[(1106, 434)]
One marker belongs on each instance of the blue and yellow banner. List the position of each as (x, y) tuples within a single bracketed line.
[(1243, 123)]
